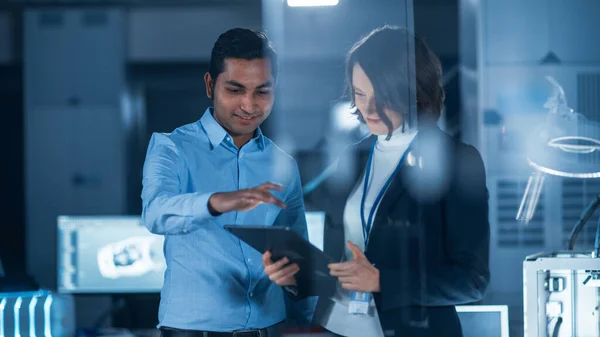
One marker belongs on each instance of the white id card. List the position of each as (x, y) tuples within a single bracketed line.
[(359, 303)]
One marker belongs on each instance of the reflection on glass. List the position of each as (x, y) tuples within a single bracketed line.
[(566, 145)]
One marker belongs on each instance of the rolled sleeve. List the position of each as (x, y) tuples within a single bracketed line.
[(165, 210)]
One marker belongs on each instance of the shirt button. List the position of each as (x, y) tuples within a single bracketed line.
[(249, 260), (228, 139), (251, 294)]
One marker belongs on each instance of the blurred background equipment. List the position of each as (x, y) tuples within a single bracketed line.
[(513, 62), (561, 289)]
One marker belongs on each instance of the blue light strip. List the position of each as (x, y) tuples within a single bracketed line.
[(17, 308), (47, 305), (2, 306), (32, 306), (25, 294)]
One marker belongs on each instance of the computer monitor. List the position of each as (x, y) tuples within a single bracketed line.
[(116, 254), (108, 254), (483, 320)]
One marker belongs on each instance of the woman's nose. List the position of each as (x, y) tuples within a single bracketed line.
[(371, 108)]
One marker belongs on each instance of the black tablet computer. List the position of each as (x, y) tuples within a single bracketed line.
[(283, 242)]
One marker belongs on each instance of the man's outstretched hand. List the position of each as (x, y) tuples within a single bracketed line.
[(246, 199)]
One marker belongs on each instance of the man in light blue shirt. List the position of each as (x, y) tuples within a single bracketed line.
[(221, 170)]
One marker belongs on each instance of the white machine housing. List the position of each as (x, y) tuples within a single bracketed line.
[(565, 285)]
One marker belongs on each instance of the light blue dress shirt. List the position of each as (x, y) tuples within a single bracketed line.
[(213, 281)]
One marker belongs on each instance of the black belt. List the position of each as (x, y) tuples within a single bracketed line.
[(170, 332)]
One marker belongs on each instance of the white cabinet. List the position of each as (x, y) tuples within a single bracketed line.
[(48, 44), (99, 65), (73, 56), (75, 164), (98, 152), (74, 64)]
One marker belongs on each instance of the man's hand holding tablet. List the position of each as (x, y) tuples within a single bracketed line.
[(280, 272)]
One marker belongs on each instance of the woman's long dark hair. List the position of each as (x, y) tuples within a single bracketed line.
[(384, 55)]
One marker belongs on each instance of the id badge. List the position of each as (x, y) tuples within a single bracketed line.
[(359, 303)]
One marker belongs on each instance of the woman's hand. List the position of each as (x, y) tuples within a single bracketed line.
[(358, 274), (283, 276)]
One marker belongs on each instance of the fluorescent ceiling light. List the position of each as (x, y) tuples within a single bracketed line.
[(311, 3)]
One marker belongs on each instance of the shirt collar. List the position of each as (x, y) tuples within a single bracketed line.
[(216, 133), (213, 129), (260, 139)]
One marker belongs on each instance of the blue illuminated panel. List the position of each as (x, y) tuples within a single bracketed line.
[(36, 314)]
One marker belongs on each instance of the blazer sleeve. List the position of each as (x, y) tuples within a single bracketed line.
[(464, 275)]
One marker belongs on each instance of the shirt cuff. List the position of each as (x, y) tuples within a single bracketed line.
[(200, 207)]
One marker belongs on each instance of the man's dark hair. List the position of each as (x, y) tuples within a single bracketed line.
[(244, 44), (383, 54)]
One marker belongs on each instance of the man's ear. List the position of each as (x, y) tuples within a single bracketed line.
[(208, 81)]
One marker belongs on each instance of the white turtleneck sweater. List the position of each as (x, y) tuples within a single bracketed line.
[(386, 156)]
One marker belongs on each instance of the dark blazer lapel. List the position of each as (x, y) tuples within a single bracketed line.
[(397, 190)]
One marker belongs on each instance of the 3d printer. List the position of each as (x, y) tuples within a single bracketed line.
[(561, 289)]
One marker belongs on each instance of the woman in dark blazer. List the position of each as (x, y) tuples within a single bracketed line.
[(410, 226)]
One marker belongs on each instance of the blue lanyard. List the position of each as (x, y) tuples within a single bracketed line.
[(366, 226)]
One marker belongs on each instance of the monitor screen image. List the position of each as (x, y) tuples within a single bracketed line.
[(108, 255)]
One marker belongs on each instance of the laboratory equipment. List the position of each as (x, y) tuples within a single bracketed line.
[(561, 289), (561, 295)]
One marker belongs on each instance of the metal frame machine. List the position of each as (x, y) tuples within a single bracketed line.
[(561, 289)]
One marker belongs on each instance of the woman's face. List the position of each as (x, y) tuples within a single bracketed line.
[(364, 98)]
